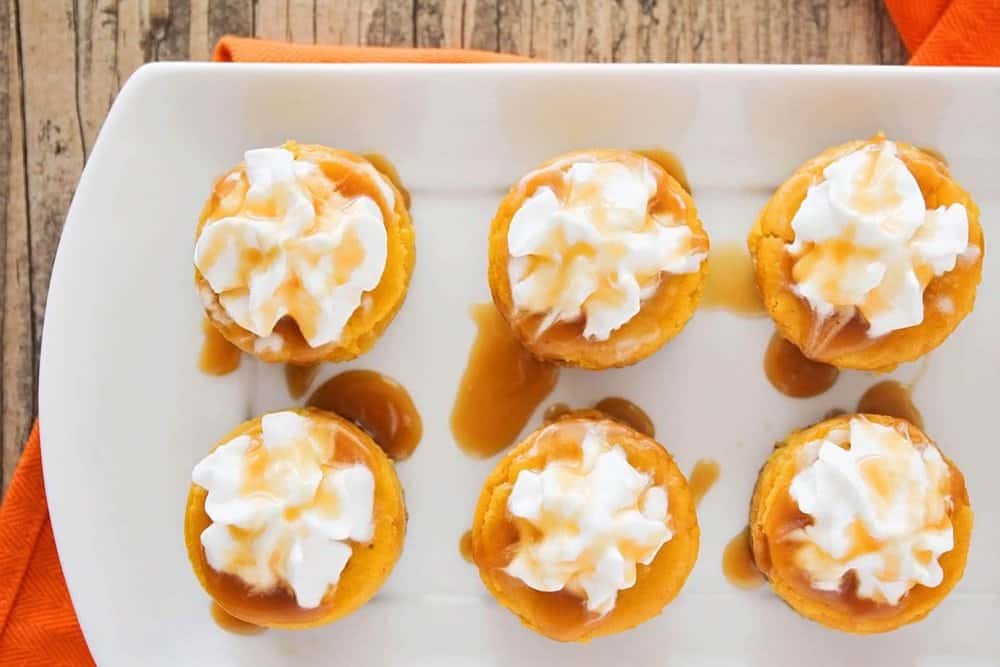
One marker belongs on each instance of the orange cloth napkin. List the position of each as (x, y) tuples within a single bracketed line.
[(37, 623), (949, 32)]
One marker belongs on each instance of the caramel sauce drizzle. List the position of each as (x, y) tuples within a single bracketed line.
[(465, 546), (218, 356), (502, 386), (230, 623), (388, 169), (671, 163), (731, 284), (378, 404), (794, 374), (738, 564), (703, 477), (298, 379), (892, 399), (620, 409)]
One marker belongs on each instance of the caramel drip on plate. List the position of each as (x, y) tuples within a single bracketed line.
[(465, 546), (628, 413), (298, 379), (502, 386), (670, 162), (555, 411), (703, 477), (230, 623), (218, 356), (731, 284), (737, 562), (388, 169), (378, 404), (892, 399), (792, 373)]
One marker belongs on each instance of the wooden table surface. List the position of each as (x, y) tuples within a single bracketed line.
[(63, 61)]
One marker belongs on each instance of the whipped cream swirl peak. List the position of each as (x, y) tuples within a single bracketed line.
[(293, 246), (865, 241), (596, 519), (879, 509), (283, 516), (595, 251)]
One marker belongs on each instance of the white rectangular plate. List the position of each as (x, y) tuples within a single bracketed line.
[(126, 413)]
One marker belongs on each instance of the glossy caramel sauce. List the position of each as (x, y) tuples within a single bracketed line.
[(278, 605), (892, 399), (502, 386), (737, 562), (218, 356), (731, 284), (628, 413), (934, 153), (555, 411), (703, 477), (230, 623), (465, 546), (792, 373), (298, 379), (670, 162), (388, 169), (664, 203), (378, 404)]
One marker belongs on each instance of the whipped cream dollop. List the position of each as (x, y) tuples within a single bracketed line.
[(879, 509), (296, 248), (597, 252), (283, 516), (596, 518), (865, 241)]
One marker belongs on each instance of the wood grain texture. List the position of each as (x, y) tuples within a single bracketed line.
[(63, 61)]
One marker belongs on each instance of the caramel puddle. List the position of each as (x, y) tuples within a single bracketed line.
[(737, 562), (218, 356), (230, 623), (298, 379), (628, 413), (555, 411), (465, 546), (792, 373), (731, 284), (892, 399), (703, 477), (378, 404), (502, 386), (388, 169), (670, 162)]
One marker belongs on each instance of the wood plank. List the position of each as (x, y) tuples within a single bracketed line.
[(229, 17), (97, 64), (17, 339), (338, 22), (387, 22), (53, 137), (439, 23)]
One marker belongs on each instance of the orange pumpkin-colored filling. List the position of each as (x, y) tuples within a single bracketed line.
[(947, 298), (562, 615), (347, 175), (774, 514), (661, 316), (368, 566)]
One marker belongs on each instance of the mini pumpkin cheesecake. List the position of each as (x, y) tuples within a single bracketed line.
[(869, 255), (303, 253), (861, 523), (597, 258), (294, 519), (585, 529)]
